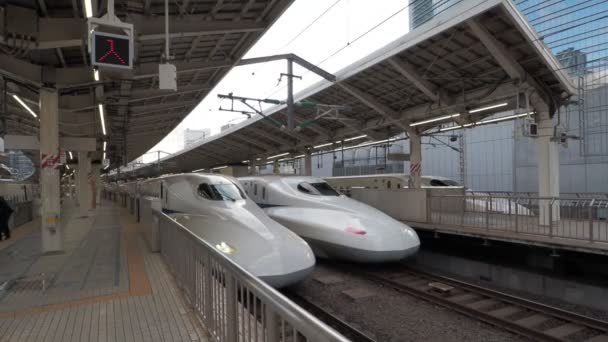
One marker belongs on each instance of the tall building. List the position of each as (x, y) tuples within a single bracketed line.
[(192, 136), (421, 11)]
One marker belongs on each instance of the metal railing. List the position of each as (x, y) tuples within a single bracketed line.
[(233, 304), (563, 217)]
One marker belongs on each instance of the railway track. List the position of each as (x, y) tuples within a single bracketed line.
[(330, 319), (520, 316)]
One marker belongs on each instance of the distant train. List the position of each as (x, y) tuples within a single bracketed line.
[(394, 181), (334, 225), (215, 208)]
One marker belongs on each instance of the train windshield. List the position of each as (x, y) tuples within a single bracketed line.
[(444, 182), (220, 192), (319, 189)]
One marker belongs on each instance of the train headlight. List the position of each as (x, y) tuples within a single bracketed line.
[(354, 230), (225, 248)]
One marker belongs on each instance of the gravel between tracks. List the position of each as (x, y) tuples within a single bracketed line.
[(392, 316)]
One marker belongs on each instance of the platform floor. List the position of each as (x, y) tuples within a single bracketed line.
[(107, 286)]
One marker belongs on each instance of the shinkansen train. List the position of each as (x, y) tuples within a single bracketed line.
[(334, 225), (216, 208), (345, 184)]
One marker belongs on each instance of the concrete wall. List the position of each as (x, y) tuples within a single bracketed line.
[(405, 205), (516, 279)]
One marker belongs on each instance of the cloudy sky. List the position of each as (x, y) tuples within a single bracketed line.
[(331, 34)]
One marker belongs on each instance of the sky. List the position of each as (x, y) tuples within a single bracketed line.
[(344, 32)]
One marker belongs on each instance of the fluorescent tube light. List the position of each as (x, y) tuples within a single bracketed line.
[(24, 105), (488, 107), (278, 155), (103, 121), (88, 8), (356, 138), (323, 145), (445, 117)]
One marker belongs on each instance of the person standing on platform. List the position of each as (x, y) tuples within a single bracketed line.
[(5, 215)]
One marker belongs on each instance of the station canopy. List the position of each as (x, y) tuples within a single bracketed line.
[(461, 64), (44, 43)]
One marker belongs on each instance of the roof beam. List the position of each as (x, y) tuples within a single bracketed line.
[(372, 103), (409, 71)]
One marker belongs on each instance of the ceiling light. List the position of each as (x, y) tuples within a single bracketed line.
[(24, 105), (278, 155), (199, 170), (356, 138), (107, 166), (104, 155), (245, 161), (96, 75), (88, 8), (67, 166), (504, 118), (300, 156), (104, 145), (71, 155), (323, 145), (101, 117), (445, 117), (488, 107), (454, 127), (219, 167)]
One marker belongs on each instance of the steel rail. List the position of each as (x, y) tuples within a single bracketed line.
[(430, 294)]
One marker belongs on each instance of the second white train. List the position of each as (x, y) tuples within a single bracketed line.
[(334, 225)]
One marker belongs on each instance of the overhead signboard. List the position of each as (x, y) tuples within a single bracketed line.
[(111, 50)]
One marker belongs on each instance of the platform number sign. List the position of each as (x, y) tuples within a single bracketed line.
[(111, 50)]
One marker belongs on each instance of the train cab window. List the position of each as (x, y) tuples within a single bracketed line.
[(318, 189), (445, 182), (220, 192)]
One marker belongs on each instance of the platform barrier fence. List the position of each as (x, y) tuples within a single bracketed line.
[(233, 304), (563, 217)]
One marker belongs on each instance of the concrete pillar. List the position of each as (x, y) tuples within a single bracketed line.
[(275, 167), (95, 185), (252, 167), (308, 163), (52, 234), (84, 190), (548, 170), (415, 159)]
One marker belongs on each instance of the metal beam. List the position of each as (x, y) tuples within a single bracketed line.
[(409, 71), (369, 101), (290, 56)]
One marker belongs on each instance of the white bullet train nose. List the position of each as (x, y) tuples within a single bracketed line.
[(272, 253)]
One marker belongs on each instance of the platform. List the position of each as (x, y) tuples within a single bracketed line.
[(107, 286)]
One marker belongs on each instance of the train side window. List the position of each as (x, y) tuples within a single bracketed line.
[(263, 192), (388, 184), (398, 185), (255, 189)]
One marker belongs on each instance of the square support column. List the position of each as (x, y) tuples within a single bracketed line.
[(95, 185), (84, 189), (307, 163), (415, 159), (275, 167), (252, 167), (548, 171), (52, 233)]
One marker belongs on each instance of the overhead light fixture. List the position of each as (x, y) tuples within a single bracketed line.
[(199, 170), (278, 155), (483, 122), (104, 155), (71, 155), (356, 138), (104, 145), (24, 105), (88, 8), (300, 156), (488, 107), (245, 161), (96, 74), (67, 166), (282, 159), (323, 145), (440, 118), (103, 121), (219, 167)]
